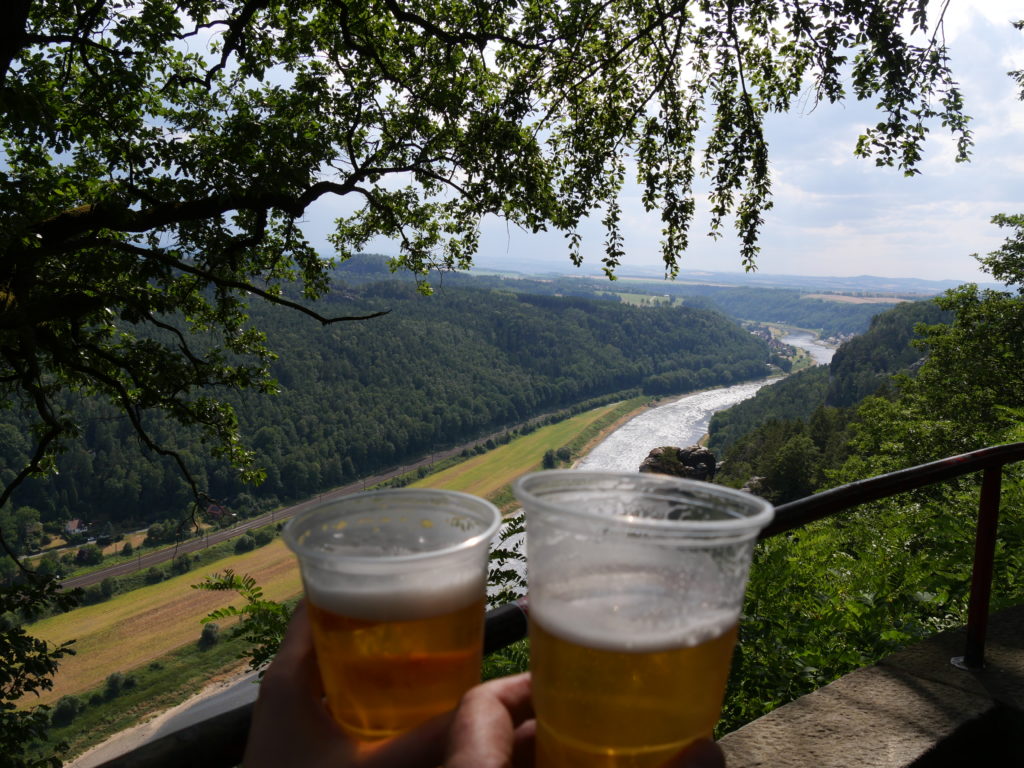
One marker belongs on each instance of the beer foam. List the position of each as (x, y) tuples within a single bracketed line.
[(405, 600), (613, 613), (575, 627)]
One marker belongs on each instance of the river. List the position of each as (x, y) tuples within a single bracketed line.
[(684, 421), (806, 340), (680, 422)]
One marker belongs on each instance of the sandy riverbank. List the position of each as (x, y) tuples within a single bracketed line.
[(133, 738)]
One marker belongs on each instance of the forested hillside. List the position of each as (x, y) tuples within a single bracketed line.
[(778, 305), (847, 591), (790, 433), (865, 363), (759, 304), (363, 396)]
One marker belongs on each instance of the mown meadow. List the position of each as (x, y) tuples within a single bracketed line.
[(152, 636)]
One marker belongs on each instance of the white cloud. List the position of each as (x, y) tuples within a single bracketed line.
[(962, 16), (836, 214)]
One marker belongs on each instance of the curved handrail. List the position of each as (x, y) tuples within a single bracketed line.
[(219, 741), (821, 505)]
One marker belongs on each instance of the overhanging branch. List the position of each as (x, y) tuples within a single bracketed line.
[(148, 253), (92, 218)]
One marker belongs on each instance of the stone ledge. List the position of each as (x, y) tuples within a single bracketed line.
[(898, 712)]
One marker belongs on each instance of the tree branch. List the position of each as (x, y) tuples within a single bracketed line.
[(233, 40), (90, 218), (132, 412), (13, 21), (230, 282), (478, 39), (29, 469), (75, 39)]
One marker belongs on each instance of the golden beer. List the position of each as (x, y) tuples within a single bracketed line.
[(383, 677), (636, 585), (396, 582), (599, 706)]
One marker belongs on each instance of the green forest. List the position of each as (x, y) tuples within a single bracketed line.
[(777, 305), (927, 381), (765, 305), (432, 373), (788, 434)]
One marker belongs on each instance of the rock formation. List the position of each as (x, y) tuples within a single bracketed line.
[(694, 462)]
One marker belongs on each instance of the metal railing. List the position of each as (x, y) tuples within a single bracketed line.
[(219, 741)]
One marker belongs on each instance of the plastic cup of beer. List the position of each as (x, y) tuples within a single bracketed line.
[(635, 586), (396, 583)]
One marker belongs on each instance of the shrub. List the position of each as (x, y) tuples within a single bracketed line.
[(245, 543), (65, 710), (90, 554), (154, 575), (108, 587), (210, 635), (182, 564), (264, 536), (127, 550), (114, 685), (92, 595)]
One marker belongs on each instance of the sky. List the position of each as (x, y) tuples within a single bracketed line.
[(838, 215)]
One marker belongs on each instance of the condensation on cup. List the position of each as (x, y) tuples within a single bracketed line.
[(636, 582), (395, 581)]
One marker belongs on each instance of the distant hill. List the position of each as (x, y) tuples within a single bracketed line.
[(816, 307), (917, 288), (860, 367), (360, 397), (898, 286)]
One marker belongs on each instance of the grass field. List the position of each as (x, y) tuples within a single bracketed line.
[(488, 473), (138, 627), (135, 628), (638, 299), (135, 539), (157, 686)]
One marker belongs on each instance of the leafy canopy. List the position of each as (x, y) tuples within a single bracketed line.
[(159, 157)]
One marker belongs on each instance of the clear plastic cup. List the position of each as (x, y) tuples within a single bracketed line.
[(396, 582), (636, 581)]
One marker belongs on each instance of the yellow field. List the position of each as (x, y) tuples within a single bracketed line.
[(488, 473), (135, 628), (134, 538), (138, 627), (110, 549)]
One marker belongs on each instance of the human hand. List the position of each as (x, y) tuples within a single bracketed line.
[(493, 726), (292, 726)]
